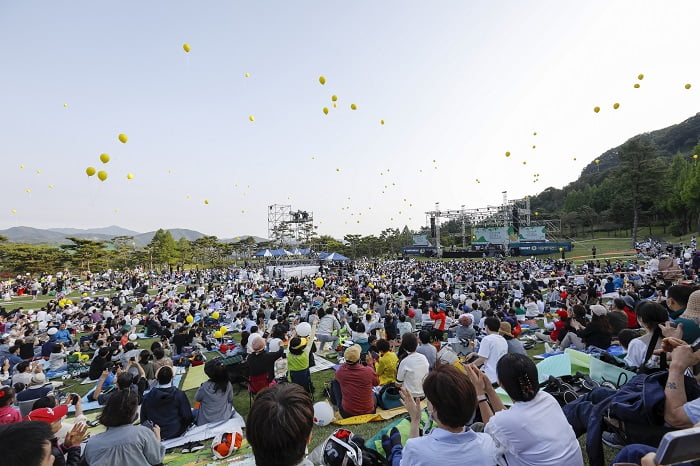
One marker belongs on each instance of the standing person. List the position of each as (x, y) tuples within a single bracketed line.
[(517, 431), (492, 348), (124, 443), (413, 368)]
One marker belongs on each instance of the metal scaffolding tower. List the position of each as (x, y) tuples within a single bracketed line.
[(287, 226)]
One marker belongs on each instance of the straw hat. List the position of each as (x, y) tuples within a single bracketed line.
[(505, 330), (692, 310)]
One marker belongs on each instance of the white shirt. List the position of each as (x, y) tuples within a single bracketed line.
[(520, 436), (636, 351), (531, 309), (493, 347), (413, 369)]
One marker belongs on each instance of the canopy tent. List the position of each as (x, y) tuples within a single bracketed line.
[(280, 252), (334, 256), (265, 253)]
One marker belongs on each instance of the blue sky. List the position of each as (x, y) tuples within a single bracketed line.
[(458, 82)]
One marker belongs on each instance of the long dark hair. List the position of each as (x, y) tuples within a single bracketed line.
[(518, 376)]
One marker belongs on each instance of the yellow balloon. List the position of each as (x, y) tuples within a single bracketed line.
[(28, 190), (537, 213), (123, 138), (206, 201), (687, 86), (335, 105), (637, 86), (616, 105), (535, 133), (597, 161), (574, 158), (130, 176), (251, 118), (507, 154), (223, 329), (50, 186), (381, 121), (524, 162), (21, 166), (695, 156), (247, 75), (322, 80), (104, 158), (102, 175), (353, 106), (325, 110), (596, 109), (334, 98), (215, 315), (337, 169), (189, 319), (90, 171), (319, 282), (217, 334), (65, 105), (186, 47), (534, 147), (14, 211), (640, 77), (38, 172)]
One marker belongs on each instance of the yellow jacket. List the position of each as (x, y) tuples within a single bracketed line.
[(386, 367)]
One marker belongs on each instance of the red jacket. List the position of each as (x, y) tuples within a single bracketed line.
[(356, 383), (631, 318), (439, 318)]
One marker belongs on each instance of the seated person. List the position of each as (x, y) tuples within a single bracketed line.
[(353, 385), (525, 443), (426, 348), (66, 451), (452, 402), (413, 368), (130, 443), (167, 406), (26, 443), (38, 388), (262, 362), (287, 446), (386, 365), (678, 411), (597, 333), (214, 398)]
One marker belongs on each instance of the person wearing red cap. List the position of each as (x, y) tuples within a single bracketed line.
[(69, 452)]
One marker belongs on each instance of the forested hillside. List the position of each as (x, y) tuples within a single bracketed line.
[(652, 179)]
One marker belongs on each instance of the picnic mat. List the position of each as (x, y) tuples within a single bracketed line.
[(380, 415), (194, 377), (404, 426), (322, 364)]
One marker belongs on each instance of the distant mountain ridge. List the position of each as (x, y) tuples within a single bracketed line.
[(57, 236)]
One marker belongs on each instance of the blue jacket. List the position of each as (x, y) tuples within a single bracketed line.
[(168, 408)]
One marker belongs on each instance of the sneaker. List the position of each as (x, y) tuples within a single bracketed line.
[(613, 440), (196, 446), (548, 348)]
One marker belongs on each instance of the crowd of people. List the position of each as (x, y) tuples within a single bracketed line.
[(433, 336)]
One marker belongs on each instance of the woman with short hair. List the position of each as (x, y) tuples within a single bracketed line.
[(452, 402)]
